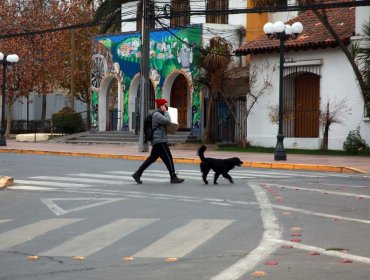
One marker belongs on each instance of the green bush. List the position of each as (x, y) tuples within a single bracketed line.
[(354, 143), (67, 121)]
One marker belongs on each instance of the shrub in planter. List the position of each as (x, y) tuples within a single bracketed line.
[(67, 121), (354, 143)]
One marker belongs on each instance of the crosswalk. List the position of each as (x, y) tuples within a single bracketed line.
[(176, 242), (121, 178)]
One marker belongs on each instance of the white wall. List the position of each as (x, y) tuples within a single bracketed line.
[(54, 103), (362, 16), (334, 84)]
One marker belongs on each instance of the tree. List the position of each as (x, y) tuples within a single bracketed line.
[(110, 12), (361, 53), (333, 113), (78, 46), (214, 60), (259, 82), (41, 68)]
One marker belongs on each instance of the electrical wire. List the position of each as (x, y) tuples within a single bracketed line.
[(168, 29), (278, 8)]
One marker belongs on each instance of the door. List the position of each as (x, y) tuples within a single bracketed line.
[(179, 95), (307, 106)]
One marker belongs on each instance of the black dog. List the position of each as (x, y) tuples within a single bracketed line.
[(219, 166)]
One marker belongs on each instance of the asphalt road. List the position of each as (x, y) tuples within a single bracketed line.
[(85, 218)]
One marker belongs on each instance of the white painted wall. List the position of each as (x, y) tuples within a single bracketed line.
[(54, 103), (362, 16), (337, 82)]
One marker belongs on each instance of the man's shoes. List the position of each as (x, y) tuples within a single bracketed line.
[(136, 177), (176, 180)]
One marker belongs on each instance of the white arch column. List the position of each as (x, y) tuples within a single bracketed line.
[(120, 106)]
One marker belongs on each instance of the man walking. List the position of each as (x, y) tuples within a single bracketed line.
[(160, 148)]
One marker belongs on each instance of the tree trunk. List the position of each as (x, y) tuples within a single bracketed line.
[(208, 135), (8, 119), (43, 112), (325, 139)]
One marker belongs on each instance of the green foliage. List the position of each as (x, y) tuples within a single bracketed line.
[(67, 121), (354, 143)]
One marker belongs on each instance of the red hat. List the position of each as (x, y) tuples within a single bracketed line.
[(160, 102)]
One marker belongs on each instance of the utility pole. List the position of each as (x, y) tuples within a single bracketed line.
[(144, 81), (73, 69)]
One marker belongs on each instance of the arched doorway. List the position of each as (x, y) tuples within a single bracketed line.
[(302, 105), (110, 104), (179, 97), (307, 105), (135, 103)]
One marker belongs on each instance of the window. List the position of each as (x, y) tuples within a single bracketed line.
[(180, 11), (214, 5), (260, 3)]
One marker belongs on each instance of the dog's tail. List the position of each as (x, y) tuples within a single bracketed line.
[(201, 151)]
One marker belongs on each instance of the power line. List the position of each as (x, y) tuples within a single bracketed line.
[(278, 8)]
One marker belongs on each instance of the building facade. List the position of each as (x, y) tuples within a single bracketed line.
[(175, 45), (317, 76)]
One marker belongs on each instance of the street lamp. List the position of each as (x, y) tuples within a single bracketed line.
[(283, 32), (5, 61)]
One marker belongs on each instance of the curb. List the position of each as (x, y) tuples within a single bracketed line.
[(270, 165), (6, 181)]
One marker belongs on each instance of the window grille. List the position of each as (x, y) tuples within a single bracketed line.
[(301, 108)]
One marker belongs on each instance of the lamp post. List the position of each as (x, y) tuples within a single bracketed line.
[(283, 32), (5, 61)]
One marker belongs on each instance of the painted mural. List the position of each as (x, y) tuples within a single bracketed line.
[(170, 50)]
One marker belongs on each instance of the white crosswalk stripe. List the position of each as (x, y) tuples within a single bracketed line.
[(23, 234), (97, 239), (183, 240), (122, 177), (176, 241)]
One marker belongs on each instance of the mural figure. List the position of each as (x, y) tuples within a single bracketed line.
[(185, 55)]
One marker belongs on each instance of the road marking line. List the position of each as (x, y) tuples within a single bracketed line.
[(196, 175), (340, 185), (267, 244), (117, 177), (31, 188), (183, 240), (50, 203), (50, 184), (318, 190), (286, 208), (324, 251), (97, 239), (84, 180), (26, 233), (5, 220)]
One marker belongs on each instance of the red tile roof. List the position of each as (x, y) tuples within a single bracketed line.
[(314, 34)]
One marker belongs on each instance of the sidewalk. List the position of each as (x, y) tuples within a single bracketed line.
[(188, 154)]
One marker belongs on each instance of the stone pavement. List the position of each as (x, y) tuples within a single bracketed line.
[(188, 154)]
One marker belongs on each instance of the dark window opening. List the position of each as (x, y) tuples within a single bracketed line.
[(180, 11), (219, 17)]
